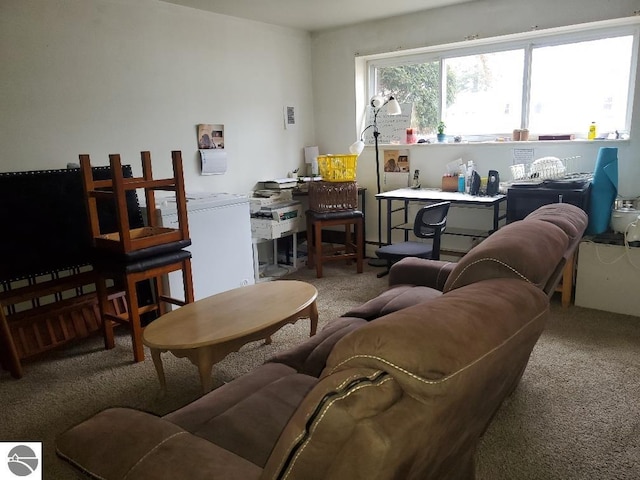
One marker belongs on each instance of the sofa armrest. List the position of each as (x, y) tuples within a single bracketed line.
[(421, 272), (148, 448), (310, 356)]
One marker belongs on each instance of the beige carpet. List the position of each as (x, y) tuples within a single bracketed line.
[(575, 415)]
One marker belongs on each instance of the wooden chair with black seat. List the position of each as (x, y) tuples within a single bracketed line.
[(430, 223), (129, 256), (334, 204)]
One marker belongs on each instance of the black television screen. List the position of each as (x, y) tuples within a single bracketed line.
[(44, 221)]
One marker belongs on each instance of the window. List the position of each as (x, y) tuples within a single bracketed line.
[(581, 82), (553, 83), (485, 92)]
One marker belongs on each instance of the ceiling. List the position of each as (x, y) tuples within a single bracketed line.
[(314, 15)]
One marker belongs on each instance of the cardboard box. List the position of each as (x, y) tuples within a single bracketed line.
[(450, 184)]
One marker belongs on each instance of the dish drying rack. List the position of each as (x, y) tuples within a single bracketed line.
[(545, 168)]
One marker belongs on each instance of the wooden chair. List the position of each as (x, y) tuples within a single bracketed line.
[(353, 248), (334, 204), (127, 257)]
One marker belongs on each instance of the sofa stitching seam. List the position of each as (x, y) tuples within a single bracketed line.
[(341, 385), (448, 377), (329, 405), (493, 260), (82, 468), (155, 447)]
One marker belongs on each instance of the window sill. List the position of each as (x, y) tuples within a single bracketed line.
[(507, 142)]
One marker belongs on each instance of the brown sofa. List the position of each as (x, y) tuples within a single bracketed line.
[(406, 396), (535, 249)]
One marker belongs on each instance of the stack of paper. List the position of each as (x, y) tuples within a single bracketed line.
[(280, 183)]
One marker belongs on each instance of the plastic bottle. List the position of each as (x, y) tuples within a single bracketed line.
[(592, 131), (461, 184)]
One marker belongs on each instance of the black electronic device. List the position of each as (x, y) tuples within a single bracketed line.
[(521, 201), (474, 186), (48, 221), (493, 183)]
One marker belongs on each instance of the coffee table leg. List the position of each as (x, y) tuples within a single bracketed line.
[(205, 364), (157, 362)]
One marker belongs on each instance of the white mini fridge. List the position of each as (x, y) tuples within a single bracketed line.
[(221, 248)]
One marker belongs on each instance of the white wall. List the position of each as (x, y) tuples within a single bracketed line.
[(334, 54), (116, 76)]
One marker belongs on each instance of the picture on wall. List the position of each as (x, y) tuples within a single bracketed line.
[(210, 136), (396, 169), (396, 161)]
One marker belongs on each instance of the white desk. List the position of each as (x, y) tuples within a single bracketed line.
[(432, 195)]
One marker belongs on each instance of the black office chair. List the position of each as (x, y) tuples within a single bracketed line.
[(430, 222)]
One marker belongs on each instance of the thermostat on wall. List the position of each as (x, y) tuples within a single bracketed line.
[(289, 117)]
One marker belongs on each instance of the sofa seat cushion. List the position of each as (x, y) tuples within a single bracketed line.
[(146, 447), (246, 416), (392, 300), (310, 356)]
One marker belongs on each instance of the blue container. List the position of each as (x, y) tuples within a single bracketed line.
[(461, 183), (604, 188)]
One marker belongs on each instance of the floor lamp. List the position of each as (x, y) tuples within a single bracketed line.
[(393, 108)]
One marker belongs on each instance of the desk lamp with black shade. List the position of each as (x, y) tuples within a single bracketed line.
[(377, 102)]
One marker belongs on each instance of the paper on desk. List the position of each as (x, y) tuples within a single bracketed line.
[(455, 167), (214, 161), (311, 154)]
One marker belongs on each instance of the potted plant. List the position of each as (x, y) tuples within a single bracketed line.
[(441, 136)]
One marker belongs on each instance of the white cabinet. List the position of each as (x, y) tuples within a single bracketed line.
[(608, 278), (221, 249)]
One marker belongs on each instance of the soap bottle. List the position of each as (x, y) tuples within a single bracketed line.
[(592, 131)]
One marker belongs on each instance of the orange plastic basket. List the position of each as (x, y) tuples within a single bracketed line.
[(337, 168)]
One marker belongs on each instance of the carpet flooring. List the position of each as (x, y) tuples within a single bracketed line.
[(575, 414)]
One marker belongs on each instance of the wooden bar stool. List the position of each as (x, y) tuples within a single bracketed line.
[(127, 257), (352, 249), (334, 204)]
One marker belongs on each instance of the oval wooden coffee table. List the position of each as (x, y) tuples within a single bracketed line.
[(209, 329)]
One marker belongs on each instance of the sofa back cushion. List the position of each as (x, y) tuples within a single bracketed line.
[(528, 250), (571, 219), (408, 395)]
